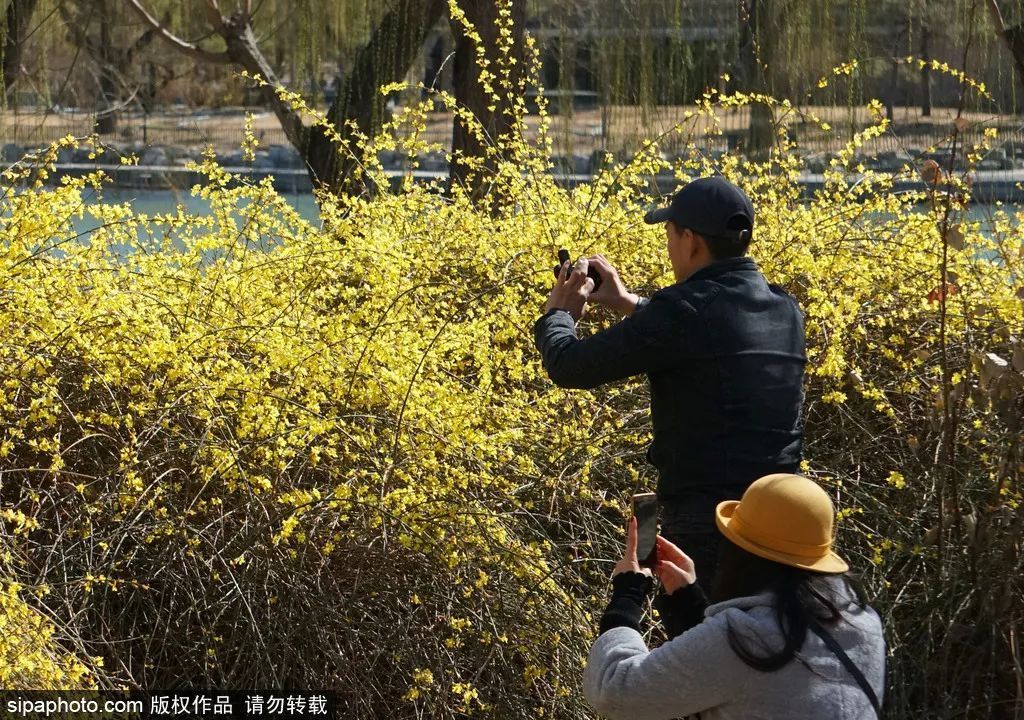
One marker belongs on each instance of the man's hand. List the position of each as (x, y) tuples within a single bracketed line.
[(629, 562), (612, 293), (572, 289), (674, 567)]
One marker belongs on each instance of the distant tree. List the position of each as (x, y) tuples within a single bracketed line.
[(15, 25), (394, 45), (762, 24), (112, 59), (495, 117), (926, 56), (1012, 35), (751, 69), (777, 57)]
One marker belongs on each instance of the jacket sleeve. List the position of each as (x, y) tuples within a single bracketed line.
[(648, 340), (625, 609), (682, 610), (692, 673)]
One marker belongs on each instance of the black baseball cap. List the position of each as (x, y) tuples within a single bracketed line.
[(711, 206)]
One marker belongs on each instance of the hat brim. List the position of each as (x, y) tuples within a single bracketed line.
[(656, 217), (830, 563)]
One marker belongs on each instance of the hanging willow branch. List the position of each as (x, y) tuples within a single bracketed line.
[(190, 49), (14, 26), (1013, 36)]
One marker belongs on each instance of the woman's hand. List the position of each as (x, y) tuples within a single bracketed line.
[(674, 567), (629, 562)]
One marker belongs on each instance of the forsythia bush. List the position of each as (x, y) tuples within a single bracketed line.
[(241, 450), (29, 657)]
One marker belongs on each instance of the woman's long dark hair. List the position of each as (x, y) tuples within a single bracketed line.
[(800, 595)]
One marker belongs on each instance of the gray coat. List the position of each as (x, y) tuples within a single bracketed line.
[(699, 672)]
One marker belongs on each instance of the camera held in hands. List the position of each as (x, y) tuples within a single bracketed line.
[(563, 257)]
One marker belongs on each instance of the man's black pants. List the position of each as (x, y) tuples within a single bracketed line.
[(692, 528)]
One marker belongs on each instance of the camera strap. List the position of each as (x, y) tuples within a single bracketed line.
[(834, 646)]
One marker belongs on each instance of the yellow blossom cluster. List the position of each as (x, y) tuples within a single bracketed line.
[(30, 659)]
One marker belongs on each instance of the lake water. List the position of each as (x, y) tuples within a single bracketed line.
[(164, 201)]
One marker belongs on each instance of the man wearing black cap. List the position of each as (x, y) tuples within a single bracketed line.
[(723, 350)]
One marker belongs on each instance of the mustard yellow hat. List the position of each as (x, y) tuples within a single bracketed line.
[(785, 518)]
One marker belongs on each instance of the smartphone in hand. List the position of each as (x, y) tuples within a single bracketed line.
[(563, 256), (645, 510)]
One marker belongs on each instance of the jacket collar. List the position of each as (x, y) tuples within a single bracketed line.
[(720, 267), (839, 586), (743, 603)]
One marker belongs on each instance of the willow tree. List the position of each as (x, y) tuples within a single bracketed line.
[(358, 108), (647, 59), (782, 52), (496, 118), (15, 23), (755, 44), (112, 55), (1011, 33)]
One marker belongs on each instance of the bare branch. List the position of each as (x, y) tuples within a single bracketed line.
[(118, 107), (244, 50), (214, 15), (139, 45), (997, 17), (182, 45)]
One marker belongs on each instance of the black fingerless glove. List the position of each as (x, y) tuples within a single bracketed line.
[(626, 606), (681, 610)]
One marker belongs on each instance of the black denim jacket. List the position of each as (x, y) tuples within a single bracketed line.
[(724, 353)]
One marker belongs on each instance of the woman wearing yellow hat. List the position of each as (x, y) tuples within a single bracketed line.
[(787, 636)]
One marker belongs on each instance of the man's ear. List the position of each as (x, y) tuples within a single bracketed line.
[(697, 243)]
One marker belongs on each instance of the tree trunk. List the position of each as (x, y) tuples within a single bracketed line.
[(1012, 36), (112, 63), (891, 95), (393, 48), (496, 118), (243, 51), (926, 73), (106, 120), (760, 133), (19, 14)]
